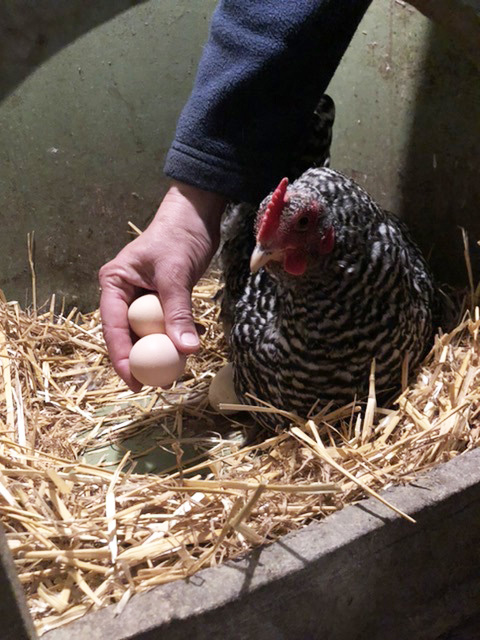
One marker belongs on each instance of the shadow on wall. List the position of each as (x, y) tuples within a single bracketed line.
[(32, 32), (441, 181)]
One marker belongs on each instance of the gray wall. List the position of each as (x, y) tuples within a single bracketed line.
[(84, 128), (408, 128), (83, 139)]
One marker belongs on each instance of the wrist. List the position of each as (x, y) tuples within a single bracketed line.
[(206, 206), (195, 194), (206, 203)]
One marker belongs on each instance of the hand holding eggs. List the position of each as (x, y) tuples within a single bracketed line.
[(154, 359)]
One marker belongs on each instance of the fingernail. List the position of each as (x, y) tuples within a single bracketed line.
[(189, 339)]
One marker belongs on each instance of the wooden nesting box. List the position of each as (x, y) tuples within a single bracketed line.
[(363, 571)]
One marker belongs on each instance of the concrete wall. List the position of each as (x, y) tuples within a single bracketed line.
[(84, 128), (83, 138), (408, 127)]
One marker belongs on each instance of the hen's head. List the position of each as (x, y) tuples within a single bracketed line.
[(292, 228)]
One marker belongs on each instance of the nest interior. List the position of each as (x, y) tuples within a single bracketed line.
[(105, 493)]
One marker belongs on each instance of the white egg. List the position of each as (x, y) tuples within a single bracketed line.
[(154, 360), (222, 390), (145, 315)]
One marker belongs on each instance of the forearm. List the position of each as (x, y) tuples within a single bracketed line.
[(263, 69)]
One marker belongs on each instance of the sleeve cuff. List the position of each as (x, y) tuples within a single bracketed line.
[(211, 173)]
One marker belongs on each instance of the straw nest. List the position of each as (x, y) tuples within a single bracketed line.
[(84, 536)]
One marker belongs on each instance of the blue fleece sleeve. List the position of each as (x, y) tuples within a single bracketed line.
[(265, 65)]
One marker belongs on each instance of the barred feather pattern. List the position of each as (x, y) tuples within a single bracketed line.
[(300, 341)]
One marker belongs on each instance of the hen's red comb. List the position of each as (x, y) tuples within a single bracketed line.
[(272, 214)]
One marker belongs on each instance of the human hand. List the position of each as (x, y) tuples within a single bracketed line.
[(169, 257)]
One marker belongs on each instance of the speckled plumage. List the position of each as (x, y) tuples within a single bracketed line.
[(297, 341)]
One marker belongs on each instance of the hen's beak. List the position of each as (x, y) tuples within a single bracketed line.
[(260, 256)]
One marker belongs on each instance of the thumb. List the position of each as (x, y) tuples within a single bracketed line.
[(177, 308)]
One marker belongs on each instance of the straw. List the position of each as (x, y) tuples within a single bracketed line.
[(84, 536)]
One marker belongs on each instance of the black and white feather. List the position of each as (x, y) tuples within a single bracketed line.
[(299, 341)]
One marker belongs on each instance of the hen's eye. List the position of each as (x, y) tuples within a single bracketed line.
[(302, 223)]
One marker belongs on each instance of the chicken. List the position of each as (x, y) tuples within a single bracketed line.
[(318, 282)]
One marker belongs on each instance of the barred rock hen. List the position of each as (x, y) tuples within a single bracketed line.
[(319, 282)]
